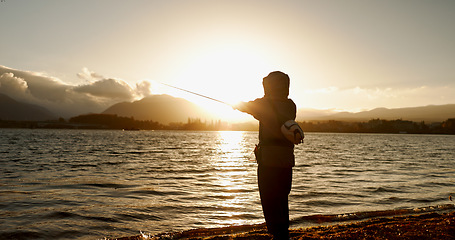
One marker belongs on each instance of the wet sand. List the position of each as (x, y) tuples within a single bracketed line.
[(417, 226)]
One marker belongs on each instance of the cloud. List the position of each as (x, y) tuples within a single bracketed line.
[(143, 88), (100, 86), (69, 100), (108, 88), (12, 85), (88, 75), (26, 85)]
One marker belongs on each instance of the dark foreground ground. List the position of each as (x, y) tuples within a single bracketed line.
[(423, 226)]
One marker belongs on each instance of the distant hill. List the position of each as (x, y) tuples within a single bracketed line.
[(306, 114), (11, 109), (159, 108), (431, 113)]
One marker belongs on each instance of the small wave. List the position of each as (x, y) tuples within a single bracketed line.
[(8, 192), (137, 217), (108, 185), (390, 200), (136, 152), (102, 219), (323, 203), (149, 192), (426, 199), (112, 163), (386, 190), (370, 214), (112, 152), (67, 215), (224, 197), (439, 184), (80, 166), (61, 215)]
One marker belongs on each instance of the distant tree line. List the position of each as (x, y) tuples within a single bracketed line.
[(381, 126), (112, 121)]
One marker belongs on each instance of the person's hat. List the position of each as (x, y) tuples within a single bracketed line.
[(276, 85)]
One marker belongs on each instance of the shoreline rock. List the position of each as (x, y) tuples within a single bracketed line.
[(417, 226)]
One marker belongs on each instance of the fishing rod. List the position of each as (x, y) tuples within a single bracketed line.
[(200, 95)]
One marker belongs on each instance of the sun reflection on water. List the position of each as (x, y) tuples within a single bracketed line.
[(233, 170), (230, 141), (229, 164)]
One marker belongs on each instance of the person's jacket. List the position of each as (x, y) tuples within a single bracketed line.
[(275, 149)]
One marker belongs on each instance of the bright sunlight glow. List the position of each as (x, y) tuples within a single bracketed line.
[(229, 73)]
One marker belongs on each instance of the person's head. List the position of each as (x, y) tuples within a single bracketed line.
[(276, 85)]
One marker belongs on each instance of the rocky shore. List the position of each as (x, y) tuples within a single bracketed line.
[(417, 226)]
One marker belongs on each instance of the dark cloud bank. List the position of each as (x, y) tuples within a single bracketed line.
[(95, 95)]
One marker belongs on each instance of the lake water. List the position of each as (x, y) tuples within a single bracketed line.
[(91, 184)]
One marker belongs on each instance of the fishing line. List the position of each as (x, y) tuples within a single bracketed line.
[(200, 95)]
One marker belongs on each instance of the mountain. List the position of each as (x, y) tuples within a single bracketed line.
[(11, 109), (159, 108), (431, 113), (308, 114)]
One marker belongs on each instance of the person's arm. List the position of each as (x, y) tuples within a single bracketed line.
[(242, 107), (252, 107)]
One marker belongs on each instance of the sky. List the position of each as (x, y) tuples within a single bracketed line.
[(75, 56)]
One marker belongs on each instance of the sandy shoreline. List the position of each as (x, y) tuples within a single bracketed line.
[(417, 226)]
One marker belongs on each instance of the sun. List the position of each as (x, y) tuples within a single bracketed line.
[(229, 73)]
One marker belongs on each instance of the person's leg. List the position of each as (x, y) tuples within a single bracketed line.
[(274, 188)]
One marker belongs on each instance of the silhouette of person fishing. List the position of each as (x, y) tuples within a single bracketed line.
[(278, 132), (274, 153)]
